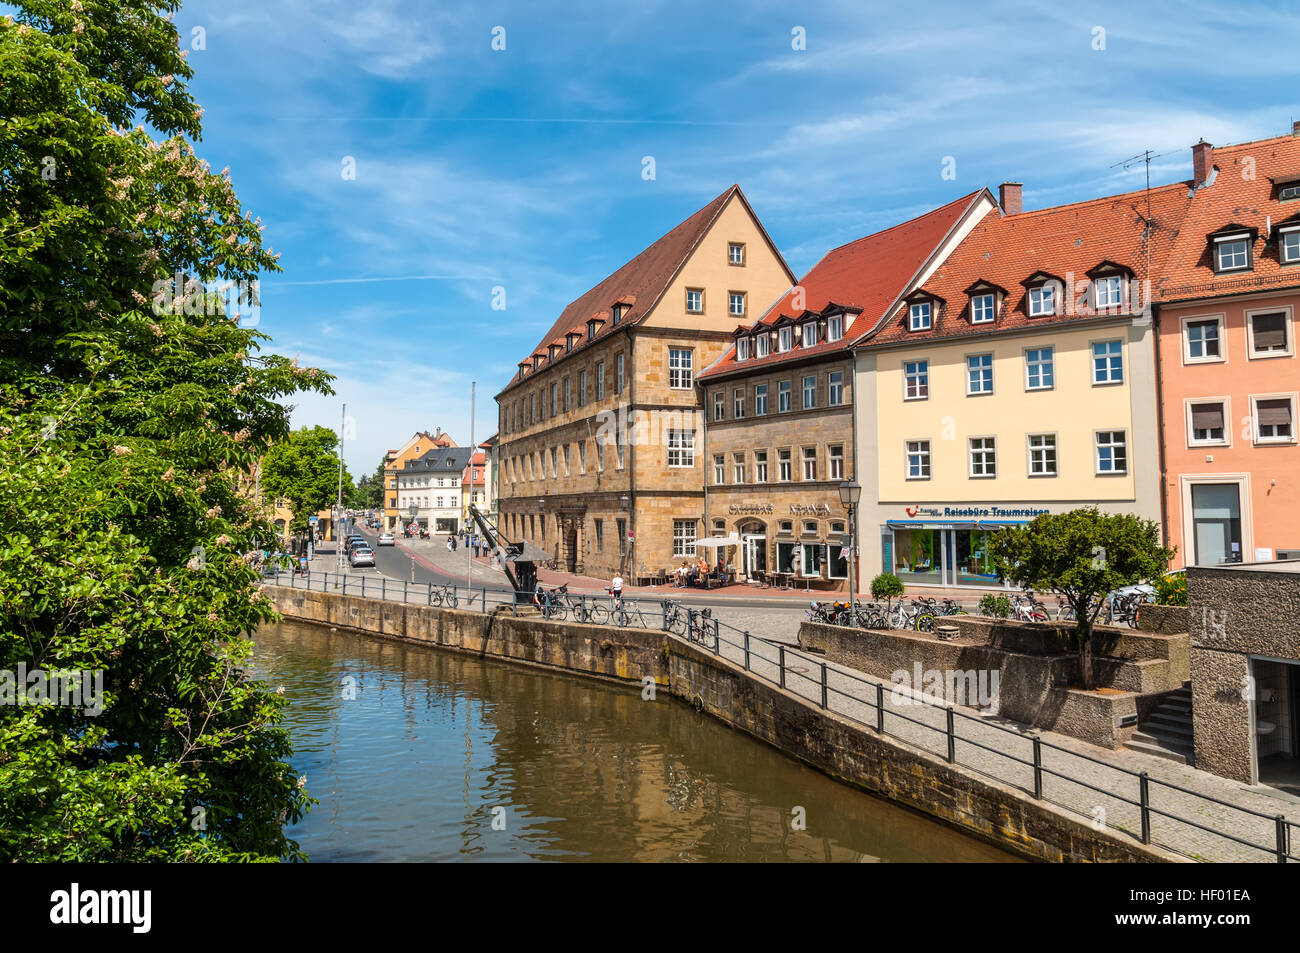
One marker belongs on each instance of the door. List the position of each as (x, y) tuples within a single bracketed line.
[(755, 555), (1216, 523)]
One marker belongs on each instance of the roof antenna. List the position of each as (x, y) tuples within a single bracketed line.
[(1148, 225)]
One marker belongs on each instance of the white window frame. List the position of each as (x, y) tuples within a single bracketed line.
[(923, 458), (970, 378), (835, 389), (809, 337), (736, 254), (760, 400), (979, 303), (1097, 448), (681, 447), (834, 328), (1093, 357), (738, 403), (719, 469), (742, 349), (1030, 450), (835, 461), (1113, 286), (600, 380), (732, 298), (1185, 331), (738, 467), (1190, 432), (619, 378), (697, 295), (1286, 238), (985, 462), (1037, 295), (1288, 319), (719, 405), (784, 396), (921, 377), (784, 339), (810, 404), (761, 344), (681, 368), (1223, 242), (785, 465), (760, 466), (1262, 441), (1051, 363), (684, 536), (920, 316), (804, 461)]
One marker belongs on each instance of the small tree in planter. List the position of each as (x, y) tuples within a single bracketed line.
[(1083, 555), (886, 586), (995, 607)]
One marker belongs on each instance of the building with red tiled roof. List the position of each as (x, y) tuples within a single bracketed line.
[(600, 462), (1018, 378), (779, 403), (1228, 371)]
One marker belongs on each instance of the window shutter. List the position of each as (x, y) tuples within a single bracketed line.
[(1207, 416), (1270, 331), (1274, 412)]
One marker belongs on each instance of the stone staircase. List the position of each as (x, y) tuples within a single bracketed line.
[(1166, 731)]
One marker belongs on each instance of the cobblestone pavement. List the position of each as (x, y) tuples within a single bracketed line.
[(1094, 782)]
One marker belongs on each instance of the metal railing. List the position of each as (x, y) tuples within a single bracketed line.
[(1149, 811)]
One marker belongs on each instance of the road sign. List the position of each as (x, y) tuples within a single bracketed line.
[(313, 520)]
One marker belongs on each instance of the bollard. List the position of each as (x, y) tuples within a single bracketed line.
[(782, 663), (746, 651), (825, 686), (880, 707), (1144, 798), (1038, 767), (952, 739)]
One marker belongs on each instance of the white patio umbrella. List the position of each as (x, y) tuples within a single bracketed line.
[(715, 541)]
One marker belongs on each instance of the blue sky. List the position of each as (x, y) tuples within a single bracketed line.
[(523, 168)]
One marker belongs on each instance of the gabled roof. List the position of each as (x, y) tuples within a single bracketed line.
[(450, 460), (865, 276), (1241, 195), (1066, 240), (641, 282)]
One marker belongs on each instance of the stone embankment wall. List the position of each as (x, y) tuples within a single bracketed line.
[(829, 742)]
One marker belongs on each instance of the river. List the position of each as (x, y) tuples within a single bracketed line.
[(418, 754)]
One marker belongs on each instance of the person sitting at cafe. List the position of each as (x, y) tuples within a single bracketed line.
[(682, 573)]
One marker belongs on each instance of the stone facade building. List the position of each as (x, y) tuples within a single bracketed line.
[(599, 432)]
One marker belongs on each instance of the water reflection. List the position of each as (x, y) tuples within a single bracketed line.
[(438, 751)]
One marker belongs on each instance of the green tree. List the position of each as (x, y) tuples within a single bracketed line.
[(304, 469), (370, 489), (1083, 555), (887, 586), (132, 399)]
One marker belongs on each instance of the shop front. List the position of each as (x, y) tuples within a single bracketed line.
[(947, 546), (800, 545)]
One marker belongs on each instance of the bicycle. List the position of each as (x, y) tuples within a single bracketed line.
[(628, 618), (700, 628), (1027, 608), (592, 612), (1064, 611), (443, 595), (674, 618), (552, 603)]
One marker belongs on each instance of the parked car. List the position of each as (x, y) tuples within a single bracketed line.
[(386, 539), (353, 541), (362, 556)]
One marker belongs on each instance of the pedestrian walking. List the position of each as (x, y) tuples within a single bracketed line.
[(616, 591)]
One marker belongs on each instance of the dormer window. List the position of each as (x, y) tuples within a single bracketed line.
[(537, 361), (761, 345), (982, 308), (742, 349), (616, 314), (1288, 244), (810, 334), (1231, 248), (785, 338), (920, 316), (834, 328), (1288, 191), (1108, 291)]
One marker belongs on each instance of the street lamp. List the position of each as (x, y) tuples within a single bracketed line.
[(850, 493), (413, 510)]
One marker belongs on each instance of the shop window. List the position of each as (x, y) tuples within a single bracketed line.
[(810, 566)]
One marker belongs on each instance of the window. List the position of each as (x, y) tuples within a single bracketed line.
[(568, 389), (616, 314), (979, 374), (566, 460), (621, 526), (1042, 454), (1112, 451), (719, 405), (1042, 301), (760, 466), (683, 538), (600, 455), (834, 327), (783, 397), (918, 459), (555, 471), (620, 445), (738, 403), (1288, 244), (742, 349), (760, 399), (600, 380), (810, 334), (1202, 339), (736, 253), (1038, 368), (919, 316), (738, 467), (695, 300), (783, 466), (618, 374), (555, 402), (719, 527), (981, 309), (1108, 291), (736, 303), (836, 454), (600, 535), (1232, 254), (1268, 334), (809, 393), (835, 388), (719, 469), (784, 338), (582, 456), (983, 457), (761, 345), (810, 463), (1206, 423), (1107, 362), (582, 388), (679, 368), (916, 377), (810, 527), (681, 448), (1274, 420)]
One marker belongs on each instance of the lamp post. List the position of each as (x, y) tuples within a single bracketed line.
[(414, 510), (850, 493)]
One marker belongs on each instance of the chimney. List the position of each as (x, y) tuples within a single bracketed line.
[(1295, 128), (1010, 199), (1201, 162)]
